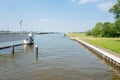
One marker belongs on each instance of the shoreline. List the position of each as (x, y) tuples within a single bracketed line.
[(112, 57)]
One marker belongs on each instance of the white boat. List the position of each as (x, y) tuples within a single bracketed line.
[(29, 41)]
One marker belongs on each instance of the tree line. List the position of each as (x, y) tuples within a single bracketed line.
[(108, 29)]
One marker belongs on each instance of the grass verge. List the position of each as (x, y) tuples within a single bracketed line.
[(112, 44)]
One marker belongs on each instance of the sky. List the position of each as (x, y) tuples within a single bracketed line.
[(54, 15)]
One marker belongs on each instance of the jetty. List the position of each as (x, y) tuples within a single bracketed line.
[(7, 40)]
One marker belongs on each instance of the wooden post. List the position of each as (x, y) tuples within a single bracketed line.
[(13, 51), (13, 48), (36, 49)]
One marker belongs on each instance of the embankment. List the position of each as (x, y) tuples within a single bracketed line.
[(110, 56)]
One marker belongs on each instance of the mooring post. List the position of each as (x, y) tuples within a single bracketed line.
[(13, 51), (36, 49)]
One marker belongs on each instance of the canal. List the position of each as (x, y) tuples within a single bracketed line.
[(58, 59)]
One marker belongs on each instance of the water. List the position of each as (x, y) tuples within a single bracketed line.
[(12, 37), (59, 59)]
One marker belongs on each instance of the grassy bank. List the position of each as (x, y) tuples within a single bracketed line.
[(112, 44)]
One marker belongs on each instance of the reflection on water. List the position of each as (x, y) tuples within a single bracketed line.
[(58, 59), (28, 49)]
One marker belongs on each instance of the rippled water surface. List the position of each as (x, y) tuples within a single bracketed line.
[(59, 59)]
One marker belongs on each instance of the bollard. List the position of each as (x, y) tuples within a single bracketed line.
[(13, 51), (36, 48)]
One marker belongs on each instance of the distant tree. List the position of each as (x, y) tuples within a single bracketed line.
[(89, 32), (117, 27), (96, 31), (116, 9), (107, 30)]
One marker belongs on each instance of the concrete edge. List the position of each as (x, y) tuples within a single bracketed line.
[(98, 50)]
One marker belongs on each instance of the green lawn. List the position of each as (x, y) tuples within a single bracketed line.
[(108, 43)]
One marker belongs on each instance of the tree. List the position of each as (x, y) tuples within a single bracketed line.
[(116, 9), (117, 27), (107, 30), (96, 31), (89, 32)]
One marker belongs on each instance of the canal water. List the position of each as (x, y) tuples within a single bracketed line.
[(58, 59)]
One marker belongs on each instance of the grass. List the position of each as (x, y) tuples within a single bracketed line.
[(112, 44)]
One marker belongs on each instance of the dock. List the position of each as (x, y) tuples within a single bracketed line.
[(8, 40)]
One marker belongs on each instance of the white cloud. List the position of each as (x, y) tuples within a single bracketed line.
[(86, 1), (74, 0), (105, 6), (44, 20)]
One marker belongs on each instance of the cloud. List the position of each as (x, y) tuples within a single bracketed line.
[(105, 6), (74, 0), (44, 20), (84, 1)]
